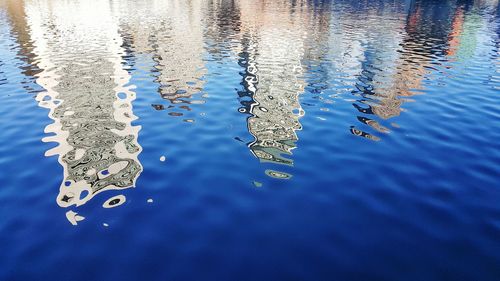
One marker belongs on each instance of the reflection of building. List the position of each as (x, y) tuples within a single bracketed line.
[(15, 12), (363, 42), (272, 53), (386, 80), (271, 47), (466, 33), (173, 35), (85, 91), (222, 32), (420, 48)]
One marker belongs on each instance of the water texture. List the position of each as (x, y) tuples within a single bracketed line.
[(250, 140)]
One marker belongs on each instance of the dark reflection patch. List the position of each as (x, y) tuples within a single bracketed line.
[(114, 201)]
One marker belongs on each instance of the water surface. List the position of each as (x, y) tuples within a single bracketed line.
[(250, 140)]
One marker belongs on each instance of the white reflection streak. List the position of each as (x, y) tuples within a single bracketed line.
[(173, 34), (78, 46), (278, 70)]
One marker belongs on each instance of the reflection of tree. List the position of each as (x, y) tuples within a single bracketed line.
[(85, 91)]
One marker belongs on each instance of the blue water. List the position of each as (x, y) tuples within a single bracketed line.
[(250, 140)]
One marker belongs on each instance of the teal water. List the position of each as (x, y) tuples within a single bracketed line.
[(249, 140)]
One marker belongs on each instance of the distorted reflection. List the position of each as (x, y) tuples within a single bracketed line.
[(89, 102), (172, 35), (273, 47), (395, 63), (365, 53), (372, 57), (381, 52)]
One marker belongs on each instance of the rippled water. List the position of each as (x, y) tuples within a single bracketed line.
[(250, 140)]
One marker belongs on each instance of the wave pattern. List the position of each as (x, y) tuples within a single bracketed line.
[(301, 139)]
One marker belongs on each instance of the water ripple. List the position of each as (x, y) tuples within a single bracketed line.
[(268, 140)]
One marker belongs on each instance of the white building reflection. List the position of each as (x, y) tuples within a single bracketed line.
[(77, 45), (274, 41), (172, 35)]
